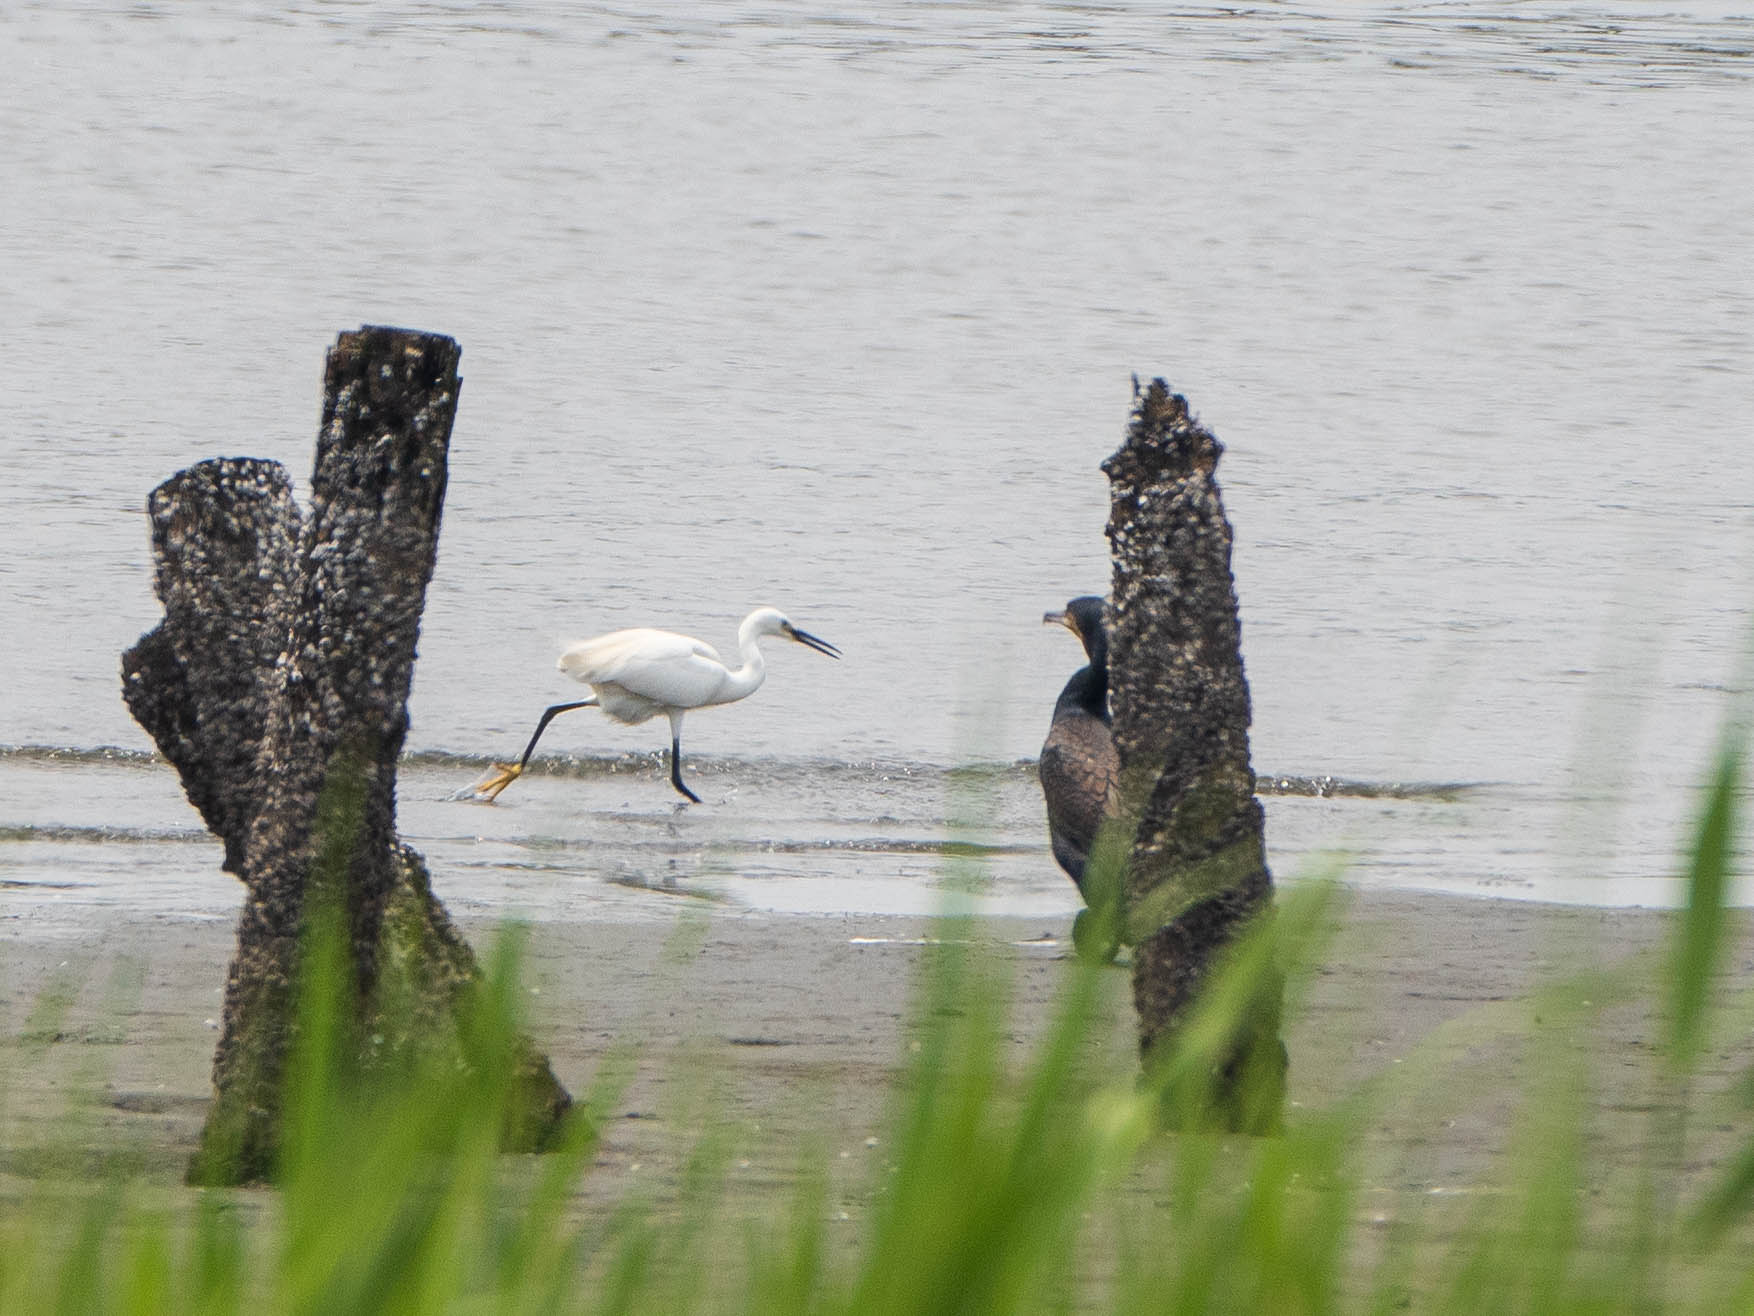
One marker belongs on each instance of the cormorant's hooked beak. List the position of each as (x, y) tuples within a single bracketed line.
[(810, 641), (1062, 619)]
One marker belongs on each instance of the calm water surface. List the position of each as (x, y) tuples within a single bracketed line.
[(838, 310)]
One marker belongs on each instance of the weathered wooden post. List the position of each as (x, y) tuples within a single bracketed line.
[(277, 685), (1197, 868)]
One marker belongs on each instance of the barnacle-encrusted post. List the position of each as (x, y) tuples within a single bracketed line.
[(1197, 866), (277, 685)]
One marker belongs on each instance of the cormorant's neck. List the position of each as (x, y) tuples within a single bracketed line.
[(1098, 651), (1087, 692)]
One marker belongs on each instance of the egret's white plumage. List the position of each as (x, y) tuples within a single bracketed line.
[(637, 674)]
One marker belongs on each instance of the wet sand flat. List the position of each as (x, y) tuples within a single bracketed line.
[(793, 1029)]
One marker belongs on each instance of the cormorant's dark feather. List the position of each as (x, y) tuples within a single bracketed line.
[(1080, 768)]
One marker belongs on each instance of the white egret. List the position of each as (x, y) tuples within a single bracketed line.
[(637, 674)]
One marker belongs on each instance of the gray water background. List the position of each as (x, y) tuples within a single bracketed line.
[(837, 309)]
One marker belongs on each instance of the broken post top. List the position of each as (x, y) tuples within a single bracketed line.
[(377, 495), (1163, 435), (225, 520), (1180, 699), (284, 633), (389, 396)]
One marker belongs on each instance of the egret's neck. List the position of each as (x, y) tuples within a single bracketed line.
[(747, 679)]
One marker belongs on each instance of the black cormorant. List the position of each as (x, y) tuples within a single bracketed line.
[(1080, 770)]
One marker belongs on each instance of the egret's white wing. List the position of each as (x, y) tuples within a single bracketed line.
[(667, 669)]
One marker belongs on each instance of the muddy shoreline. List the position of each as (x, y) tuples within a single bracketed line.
[(781, 1005)]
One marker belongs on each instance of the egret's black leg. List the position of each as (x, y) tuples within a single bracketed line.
[(676, 768), (548, 716), (506, 773)]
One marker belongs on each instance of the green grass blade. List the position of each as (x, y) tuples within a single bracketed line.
[(83, 1288), (1700, 945)]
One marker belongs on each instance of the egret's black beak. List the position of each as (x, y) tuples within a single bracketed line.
[(810, 641)]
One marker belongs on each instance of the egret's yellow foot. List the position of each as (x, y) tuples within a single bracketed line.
[(504, 775)]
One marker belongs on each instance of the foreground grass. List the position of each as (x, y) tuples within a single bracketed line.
[(1039, 1186)]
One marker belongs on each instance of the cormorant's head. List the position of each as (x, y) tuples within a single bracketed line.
[(1084, 617)]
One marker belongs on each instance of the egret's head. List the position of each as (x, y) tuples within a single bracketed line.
[(771, 621), (1083, 617)]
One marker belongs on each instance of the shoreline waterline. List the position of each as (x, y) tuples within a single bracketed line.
[(98, 829)]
